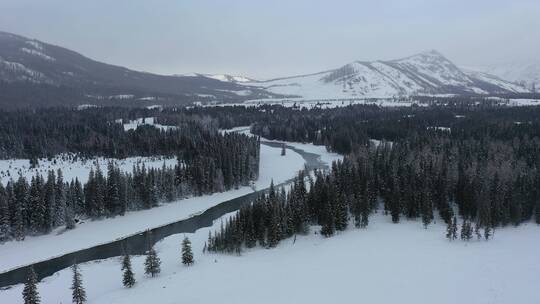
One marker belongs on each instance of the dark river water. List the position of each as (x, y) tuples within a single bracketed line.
[(138, 243)]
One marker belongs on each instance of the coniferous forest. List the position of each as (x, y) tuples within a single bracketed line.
[(472, 167), (208, 162)]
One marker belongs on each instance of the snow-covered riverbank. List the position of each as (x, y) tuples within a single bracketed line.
[(273, 166), (375, 265)]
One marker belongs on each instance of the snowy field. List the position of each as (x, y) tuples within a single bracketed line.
[(301, 103), (91, 233), (74, 168), (385, 263), (320, 103), (148, 121)]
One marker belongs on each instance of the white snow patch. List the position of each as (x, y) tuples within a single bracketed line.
[(73, 167), (147, 121), (38, 54)]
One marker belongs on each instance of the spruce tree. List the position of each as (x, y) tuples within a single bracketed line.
[(59, 213), (5, 224), (328, 228), (78, 292), (274, 231), (30, 292), (449, 228), (128, 278), (341, 214), (152, 264), (537, 213), (466, 231), (187, 254), (454, 229), (477, 231), (487, 232)]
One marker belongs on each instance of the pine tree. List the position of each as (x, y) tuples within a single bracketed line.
[(78, 292), (187, 254), (152, 264), (477, 231), (487, 232), (537, 213), (454, 229), (5, 224), (128, 278), (274, 231), (59, 214), (342, 214), (113, 203), (466, 231), (30, 292), (328, 228), (69, 217), (449, 228), (17, 195)]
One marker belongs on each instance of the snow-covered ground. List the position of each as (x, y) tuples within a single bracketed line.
[(273, 166), (74, 168), (385, 263), (301, 103), (147, 121)]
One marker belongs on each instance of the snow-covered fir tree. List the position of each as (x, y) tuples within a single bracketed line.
[(128, 277), (30, 292), (152, 264), (187, 253), (77, 289)]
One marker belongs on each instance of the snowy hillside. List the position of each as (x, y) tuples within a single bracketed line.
[(424, 73), (527, 73), (27, 62), (228, 78)]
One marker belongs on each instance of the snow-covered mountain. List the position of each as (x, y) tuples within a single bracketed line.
[(29, 63), (220, 77), (523, 73), (229, 78), (425, 73)]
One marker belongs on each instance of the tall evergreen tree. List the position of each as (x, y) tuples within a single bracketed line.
[(5, 222), (128, 277), (30, 292), (466, 231), (152, 264), (187, 254), (77, 288), (537, 213)]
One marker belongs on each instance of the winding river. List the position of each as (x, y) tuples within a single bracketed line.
[(138, 243)]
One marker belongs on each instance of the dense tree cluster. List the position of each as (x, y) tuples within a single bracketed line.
[(487, 184), (100, 132), (42, 204)]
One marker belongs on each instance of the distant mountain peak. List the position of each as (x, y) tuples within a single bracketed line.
[(428, 72)]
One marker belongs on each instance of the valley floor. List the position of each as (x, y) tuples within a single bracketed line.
[(273, 166), (385, 263)]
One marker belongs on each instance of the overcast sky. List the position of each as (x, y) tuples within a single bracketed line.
[(264, 39)]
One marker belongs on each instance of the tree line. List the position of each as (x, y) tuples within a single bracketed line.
[(41, 204), (405, 182)]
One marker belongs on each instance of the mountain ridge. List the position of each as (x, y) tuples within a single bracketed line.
[(30, 70), (427, 72), (30, 61)]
